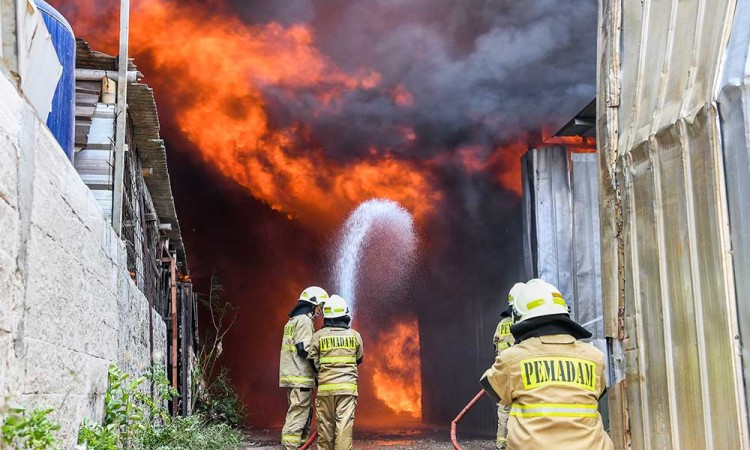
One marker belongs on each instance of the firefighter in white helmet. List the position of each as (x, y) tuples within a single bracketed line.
[(503, 339), (551, 379), (336, 351), (296, 374)]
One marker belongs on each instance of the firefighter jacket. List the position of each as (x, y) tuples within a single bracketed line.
[(503, 338), (336, 352), (294, 370), (553, 384)]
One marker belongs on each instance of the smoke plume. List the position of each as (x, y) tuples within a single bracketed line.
[(281, 116)]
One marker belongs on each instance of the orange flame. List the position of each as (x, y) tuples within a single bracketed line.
[(505, 164), (397, 373), (213, 69)]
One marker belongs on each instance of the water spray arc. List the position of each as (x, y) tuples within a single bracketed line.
[(379, 219)]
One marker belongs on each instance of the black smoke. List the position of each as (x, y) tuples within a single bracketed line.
[(479, 73)]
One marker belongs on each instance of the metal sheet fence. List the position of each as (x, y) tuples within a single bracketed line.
[(666, 233)]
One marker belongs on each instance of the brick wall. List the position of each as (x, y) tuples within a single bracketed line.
[(68, 308)]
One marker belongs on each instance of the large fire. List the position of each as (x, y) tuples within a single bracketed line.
[(397, 373), (212, 71), (215, 74)]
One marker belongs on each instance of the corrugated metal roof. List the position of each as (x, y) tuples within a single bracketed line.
[(153, 155), (583, 124), (144, 118), (90, 59)]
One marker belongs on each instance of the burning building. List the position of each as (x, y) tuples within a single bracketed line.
[(282, 117)]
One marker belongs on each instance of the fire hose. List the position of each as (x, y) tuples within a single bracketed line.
[(460, 416), (314, 435), (310, 441)]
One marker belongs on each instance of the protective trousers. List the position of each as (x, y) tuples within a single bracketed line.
[(298, 418), (335, 415), (502, 426)]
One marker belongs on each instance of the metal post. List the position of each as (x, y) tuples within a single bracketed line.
[(173, 277), (121, 116)]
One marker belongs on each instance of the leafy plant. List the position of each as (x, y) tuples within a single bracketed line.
[(136, 420), (32, 431), (220, 402), (214, 395), (124, 413), (192, 433)]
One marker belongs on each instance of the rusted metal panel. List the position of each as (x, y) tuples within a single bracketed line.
[(642, 268), (659, 165)]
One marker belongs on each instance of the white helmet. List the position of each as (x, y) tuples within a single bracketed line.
[(315, 295), (335, 307), (539, 298), (515, 291)]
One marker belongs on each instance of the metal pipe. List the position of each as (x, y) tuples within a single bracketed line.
[(122, 102), (96, 75), (460, 416)]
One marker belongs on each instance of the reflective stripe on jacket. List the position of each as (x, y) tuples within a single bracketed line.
[(503, 338), (553, 384), (294, 370), (335, 352)]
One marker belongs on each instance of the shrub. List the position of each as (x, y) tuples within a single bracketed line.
[(135, 420), (192, 433), (32, 431)]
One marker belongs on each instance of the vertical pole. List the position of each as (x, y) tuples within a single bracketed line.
[(121, 117), (173, 276)]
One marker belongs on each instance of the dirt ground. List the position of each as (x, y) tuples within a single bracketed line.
[(415, 439)]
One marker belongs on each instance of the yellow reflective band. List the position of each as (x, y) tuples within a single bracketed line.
[(535, 304), (503, 345), (289, 330), (332, 342), (558, 370), (290, 438), (503, 328), (501, 439), (338, 387), (297, 379), (539, 302), (557, 295), (338, 359), (289, 348), (553, 410)]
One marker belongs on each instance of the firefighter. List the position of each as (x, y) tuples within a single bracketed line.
[(503, 339), (336, 351), (551, 379), (296, 374)]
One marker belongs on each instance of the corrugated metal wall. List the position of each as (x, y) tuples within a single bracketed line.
[(668, 283), (734, 107), (561, 229)]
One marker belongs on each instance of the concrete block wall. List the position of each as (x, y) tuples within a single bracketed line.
[(68, 308)]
